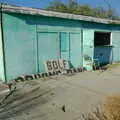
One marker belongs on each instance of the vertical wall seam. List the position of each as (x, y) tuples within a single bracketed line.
[(59, 42), (37, 55), (58, 46), (112, 46), (3, 45), (69, 47), (82, 44)]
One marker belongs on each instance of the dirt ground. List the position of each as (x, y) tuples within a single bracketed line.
[(44, 99)]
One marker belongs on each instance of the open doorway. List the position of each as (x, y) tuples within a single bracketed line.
[(102, 38), (102, 47)]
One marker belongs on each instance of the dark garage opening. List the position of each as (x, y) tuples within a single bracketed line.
[(102, 47), (102, 38)]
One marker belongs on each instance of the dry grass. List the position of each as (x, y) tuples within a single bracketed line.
[(112, 107), (109, 111)]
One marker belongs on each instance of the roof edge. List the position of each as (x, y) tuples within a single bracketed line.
[(35, 11)]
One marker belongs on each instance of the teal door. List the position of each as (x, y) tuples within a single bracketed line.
[(75, 50), (48, 48), (88, 48)]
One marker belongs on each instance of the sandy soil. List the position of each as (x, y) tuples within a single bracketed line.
[(44, 99)]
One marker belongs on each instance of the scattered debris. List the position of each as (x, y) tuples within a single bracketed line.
[(6, 97), (63, 108)]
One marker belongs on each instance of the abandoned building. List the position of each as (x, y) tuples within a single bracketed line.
[(29, 37)]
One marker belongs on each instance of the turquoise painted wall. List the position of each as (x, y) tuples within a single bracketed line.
[(48, 48), (2, 77), (71, 48), (66, 31), (116, 45), (24, 36), (75, 50), (88, 47), (20, 46), (65, 45), (31, 40), (108, 53)]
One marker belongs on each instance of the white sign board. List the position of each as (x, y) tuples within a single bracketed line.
[(55, 65)]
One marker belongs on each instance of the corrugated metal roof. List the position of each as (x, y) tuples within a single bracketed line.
[(33, 11)]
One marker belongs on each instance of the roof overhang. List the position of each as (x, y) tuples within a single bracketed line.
[(39, 12)]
